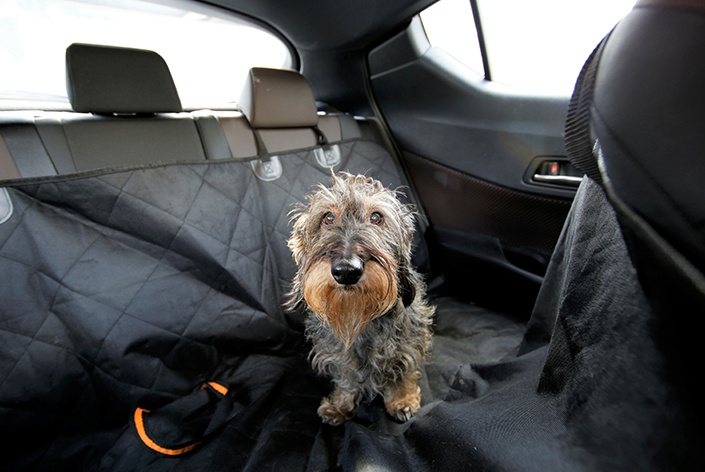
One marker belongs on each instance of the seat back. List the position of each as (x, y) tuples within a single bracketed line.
[(133, 112), (625, 285)]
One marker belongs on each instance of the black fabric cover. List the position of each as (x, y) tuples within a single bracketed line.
[(132, 288), (647, 116)]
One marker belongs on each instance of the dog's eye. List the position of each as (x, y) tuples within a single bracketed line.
[(328, 218), (376, 218)]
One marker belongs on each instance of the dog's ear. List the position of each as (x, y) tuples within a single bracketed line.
[(296, 245), (407, 287), (298, 220)]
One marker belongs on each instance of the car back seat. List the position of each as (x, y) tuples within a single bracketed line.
[(134, 255), (128, 112)]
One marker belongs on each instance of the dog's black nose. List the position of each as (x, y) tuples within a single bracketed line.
[(347, 271)]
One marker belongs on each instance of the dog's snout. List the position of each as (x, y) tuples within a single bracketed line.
[(347, 271)]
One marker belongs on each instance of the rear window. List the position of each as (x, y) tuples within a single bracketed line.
[(208, 51)]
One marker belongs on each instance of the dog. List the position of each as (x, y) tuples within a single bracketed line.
[(368, 319)]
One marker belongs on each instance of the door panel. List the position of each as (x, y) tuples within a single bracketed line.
[(459, 201), (491, 243), (472, 148)]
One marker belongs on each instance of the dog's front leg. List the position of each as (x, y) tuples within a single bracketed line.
[(339, 407), (403, 400)]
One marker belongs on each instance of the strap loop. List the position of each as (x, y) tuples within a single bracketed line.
[(183, 424), (322, 140), (261, 148)]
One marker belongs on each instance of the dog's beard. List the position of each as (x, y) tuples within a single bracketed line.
[(348, 309)]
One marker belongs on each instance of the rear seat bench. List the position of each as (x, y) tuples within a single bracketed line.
[(128, 113), (139, 283)]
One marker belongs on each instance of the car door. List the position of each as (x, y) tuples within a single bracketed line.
[(488, 162)]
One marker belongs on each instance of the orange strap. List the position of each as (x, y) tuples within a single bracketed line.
[(217, 387), (142, 432), (139, 424)]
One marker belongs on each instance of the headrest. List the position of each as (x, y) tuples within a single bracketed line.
[(106, 79), (275, 98)]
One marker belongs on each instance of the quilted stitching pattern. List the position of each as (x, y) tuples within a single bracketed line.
[(144, 282)]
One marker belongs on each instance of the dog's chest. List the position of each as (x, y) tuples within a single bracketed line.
[(376, 358), (375, 352)]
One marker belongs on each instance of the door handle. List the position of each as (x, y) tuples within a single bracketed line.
[(557, 173), (567, 180)]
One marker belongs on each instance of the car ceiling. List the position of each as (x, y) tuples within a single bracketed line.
[(328, 25)]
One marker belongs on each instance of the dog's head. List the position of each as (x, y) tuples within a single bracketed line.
[(352, 244)]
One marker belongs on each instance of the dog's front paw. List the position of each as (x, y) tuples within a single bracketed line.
[(403, 403), (404, 414), (338, 408), (333, 414)]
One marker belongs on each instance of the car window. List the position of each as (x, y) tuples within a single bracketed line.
[(449, 24), (208, 52), (540, 44)]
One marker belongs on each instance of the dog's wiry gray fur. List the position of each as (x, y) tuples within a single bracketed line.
[(380, 351)]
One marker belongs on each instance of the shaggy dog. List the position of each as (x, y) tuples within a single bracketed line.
[(368, 319)]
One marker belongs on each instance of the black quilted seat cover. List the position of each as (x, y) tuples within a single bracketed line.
[(132, 289)]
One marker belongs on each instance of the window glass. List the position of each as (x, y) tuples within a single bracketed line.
[(541, 44), (544, 43), (449, 25), (208, 52)]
